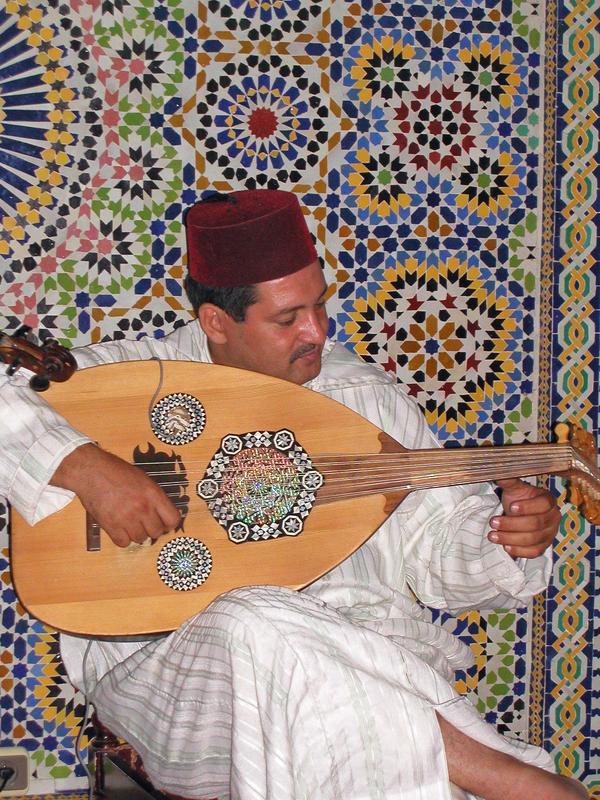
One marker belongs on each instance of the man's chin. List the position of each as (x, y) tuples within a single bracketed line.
[(308, 371)]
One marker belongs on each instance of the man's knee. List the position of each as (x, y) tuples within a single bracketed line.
[(261, 612)]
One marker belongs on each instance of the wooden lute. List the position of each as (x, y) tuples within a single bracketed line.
[(248, 459)]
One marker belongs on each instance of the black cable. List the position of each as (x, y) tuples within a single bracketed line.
[(84, 722), (6, 773)]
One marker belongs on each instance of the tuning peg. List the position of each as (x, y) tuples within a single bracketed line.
[(39, 383)]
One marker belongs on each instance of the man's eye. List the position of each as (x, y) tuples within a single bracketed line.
[(287, 322)]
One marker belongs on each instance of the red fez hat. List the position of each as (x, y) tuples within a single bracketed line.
[(247, 237)]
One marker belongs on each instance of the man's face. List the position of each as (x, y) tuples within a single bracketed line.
[(284, 331)]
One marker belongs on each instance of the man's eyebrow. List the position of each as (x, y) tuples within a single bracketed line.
[(291, 309)]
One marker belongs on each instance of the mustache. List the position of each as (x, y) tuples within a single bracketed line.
[(304, 350)]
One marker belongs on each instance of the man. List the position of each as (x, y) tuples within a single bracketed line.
[(342, 690)]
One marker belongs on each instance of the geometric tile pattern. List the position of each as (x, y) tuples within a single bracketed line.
[(458, 239), (571, 721), (451, 335)]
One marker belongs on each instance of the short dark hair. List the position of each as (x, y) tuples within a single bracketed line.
[(233, 300)]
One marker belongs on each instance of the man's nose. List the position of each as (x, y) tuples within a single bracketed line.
[(316, 327)]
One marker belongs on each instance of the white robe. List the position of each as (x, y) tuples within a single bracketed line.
[(326, 693)]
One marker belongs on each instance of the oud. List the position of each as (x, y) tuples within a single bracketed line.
[(275, 483)]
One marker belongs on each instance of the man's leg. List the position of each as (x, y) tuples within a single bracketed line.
[(269, 693), (493, 775)]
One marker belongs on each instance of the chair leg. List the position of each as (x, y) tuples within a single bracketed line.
[(104, 745), (103, 742)]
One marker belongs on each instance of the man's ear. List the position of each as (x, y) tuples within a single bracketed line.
[(214, 322)]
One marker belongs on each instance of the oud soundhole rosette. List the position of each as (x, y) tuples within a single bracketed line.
[(184, 563), (260, 485), (178, 418)]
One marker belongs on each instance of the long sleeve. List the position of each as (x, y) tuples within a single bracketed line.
[(448, 559), (450, 562), (435, 544), (34, 439)]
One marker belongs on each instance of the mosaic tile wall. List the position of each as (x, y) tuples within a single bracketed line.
[(445, 154)]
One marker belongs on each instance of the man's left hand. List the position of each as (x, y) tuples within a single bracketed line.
[(530, 520)]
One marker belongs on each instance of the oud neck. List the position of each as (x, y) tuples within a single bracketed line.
[(453, 466), (408, 470)]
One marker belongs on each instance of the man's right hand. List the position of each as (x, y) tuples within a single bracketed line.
[(124, 501)]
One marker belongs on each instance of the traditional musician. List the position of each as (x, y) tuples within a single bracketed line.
[(342, 690)]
